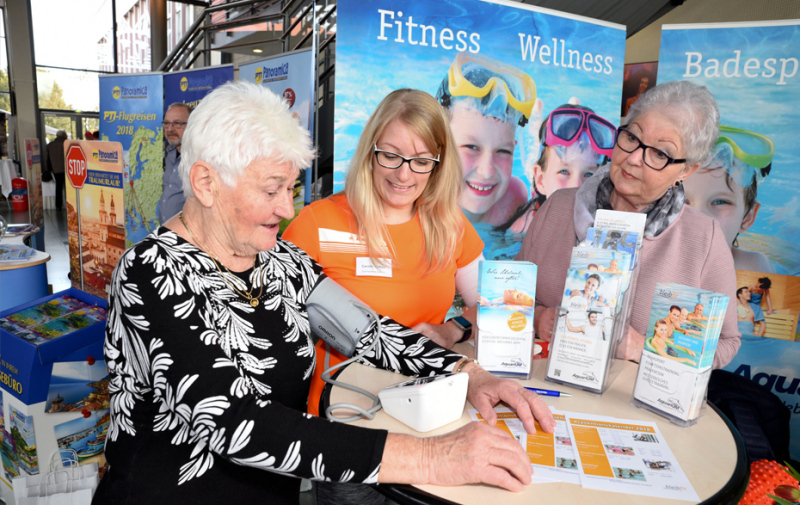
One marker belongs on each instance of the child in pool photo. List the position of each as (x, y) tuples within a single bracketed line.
[(574, 142), (726, 185), (486, 101)]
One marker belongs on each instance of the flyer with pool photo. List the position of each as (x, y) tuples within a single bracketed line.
[(506, 291), (681, 340)]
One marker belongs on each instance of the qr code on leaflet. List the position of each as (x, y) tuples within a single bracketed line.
[(558, 372)]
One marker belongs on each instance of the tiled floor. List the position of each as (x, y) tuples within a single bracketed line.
[(56, 242)]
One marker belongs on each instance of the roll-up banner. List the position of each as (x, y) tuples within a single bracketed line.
[(750, 183), (542, 58), (95, 200), (191, 86), (131, 111), (290, 75), (753, 71)]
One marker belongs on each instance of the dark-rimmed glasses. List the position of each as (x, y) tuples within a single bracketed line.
[(174, 124), (653, 158), (388, 159)]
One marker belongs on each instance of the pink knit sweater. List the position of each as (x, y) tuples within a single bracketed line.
[(691, 251)]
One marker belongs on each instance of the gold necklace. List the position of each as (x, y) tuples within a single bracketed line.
[(247, 296)]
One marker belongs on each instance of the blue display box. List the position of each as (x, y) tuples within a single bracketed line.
[(25, 368)]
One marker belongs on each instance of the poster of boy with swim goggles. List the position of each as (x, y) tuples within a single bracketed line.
[(750, 183), (532, 95)]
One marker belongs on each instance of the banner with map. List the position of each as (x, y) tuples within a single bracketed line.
[(540, 57), (131, 111)]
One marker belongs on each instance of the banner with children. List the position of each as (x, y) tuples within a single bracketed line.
[(750, 184), (499, 70)]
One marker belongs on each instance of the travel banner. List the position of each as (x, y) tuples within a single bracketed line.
[(95, 204), (290, 75), (191, 86), (33, 159), (131, 111), (533, 60), (750, 185)]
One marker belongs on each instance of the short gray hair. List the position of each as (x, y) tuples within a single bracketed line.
[(238, 123), (189, 109), (696, 112)]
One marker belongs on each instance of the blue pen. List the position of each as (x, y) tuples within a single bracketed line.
[(547, 392)]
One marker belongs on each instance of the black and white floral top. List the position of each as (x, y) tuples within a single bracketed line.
[(208, 391)]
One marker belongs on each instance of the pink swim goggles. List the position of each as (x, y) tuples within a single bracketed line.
[(565, 125)]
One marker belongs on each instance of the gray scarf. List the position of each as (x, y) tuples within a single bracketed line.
[(596, 194)]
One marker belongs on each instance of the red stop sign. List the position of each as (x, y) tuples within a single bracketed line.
[(76, 167)]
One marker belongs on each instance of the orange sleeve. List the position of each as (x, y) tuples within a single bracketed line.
[(471, 245), (303, 232)]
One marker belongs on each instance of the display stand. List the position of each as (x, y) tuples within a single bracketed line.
[(25, 376), (609, 365)]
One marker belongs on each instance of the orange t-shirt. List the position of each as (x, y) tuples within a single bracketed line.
[(326, 231)]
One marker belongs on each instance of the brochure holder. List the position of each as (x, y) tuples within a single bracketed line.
[(586, 358), (675, 367)]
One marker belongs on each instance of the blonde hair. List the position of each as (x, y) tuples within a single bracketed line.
[(437, 206)]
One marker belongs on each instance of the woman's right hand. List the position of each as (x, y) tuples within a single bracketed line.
[(475, 453), (545, 318)]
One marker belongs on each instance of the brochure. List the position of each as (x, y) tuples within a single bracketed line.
[(624, 221), (52, 319), (613, 239), (600, 452), (15, 253), (580, 349), (506, 292), (627, 456), (683, 332), (552, 454)]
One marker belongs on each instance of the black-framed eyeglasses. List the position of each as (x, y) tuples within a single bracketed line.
[(653, 158), (175, 124), (388, 159)]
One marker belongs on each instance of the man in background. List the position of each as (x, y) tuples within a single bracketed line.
[(172, 198), (55, 164)]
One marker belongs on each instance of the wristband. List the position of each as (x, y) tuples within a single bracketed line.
[(464, 363), (464, 325)]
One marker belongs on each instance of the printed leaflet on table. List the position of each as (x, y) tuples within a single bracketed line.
[(552, 454), (599, 452), (627, 456)]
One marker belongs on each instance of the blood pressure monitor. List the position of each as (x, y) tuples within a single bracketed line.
[(427, 403)]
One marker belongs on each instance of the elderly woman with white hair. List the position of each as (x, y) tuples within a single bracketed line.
[(669, 131), (209, 350)]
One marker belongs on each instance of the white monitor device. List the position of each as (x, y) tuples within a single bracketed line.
[(426, 403)]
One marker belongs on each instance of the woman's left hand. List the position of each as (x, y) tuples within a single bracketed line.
[(445, 334), (486, 390), (631, 346)]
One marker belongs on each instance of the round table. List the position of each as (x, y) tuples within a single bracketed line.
[(711, 452), (22, 281)]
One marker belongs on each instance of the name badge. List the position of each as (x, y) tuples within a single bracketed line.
[(365, 268)]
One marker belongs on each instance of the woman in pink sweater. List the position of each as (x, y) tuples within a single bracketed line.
[(670, 129)]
